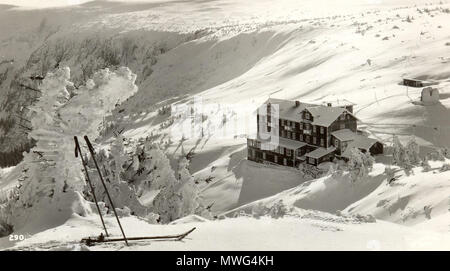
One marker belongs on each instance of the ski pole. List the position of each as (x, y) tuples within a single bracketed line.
[(91, 149), (88, 180)]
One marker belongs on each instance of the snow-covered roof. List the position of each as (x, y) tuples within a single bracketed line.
[(283, 142), (416, 80), (291, 144), (344, 135), (326, 115), (360, 142), (287, 109), (320, 152), (323, 115)]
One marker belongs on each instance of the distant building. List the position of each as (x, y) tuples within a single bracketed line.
[(416, 83), (307, 133), (430, 95)]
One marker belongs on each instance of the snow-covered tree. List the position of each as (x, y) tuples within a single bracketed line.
[(412, 151), (358, 164), (398, 152), (167, 203), (406, 156), (54, 179), (259, 210), (440, 156), (119, 158), (278, 209), (425, 164), (188, 189), (368, 160), (445, 167), (446, 152), (160, 176), (390, 173)]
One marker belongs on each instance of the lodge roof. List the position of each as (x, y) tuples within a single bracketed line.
[(289, 110), (325, 115), (291, 144), (320, 152), (360, 142), (344, 135)]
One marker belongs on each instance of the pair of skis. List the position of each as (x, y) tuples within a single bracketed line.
[(92, 151), (101, 239)]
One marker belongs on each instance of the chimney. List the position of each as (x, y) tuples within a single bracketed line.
[(329, 104), (297, 103)]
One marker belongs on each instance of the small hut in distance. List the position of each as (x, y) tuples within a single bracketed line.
[(416, 83)]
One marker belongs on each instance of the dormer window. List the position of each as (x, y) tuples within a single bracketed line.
[(307, 116)]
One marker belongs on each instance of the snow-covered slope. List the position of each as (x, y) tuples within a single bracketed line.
[(410, 200), (419, 199), (307, 231)]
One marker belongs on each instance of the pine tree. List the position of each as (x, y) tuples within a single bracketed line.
[(425, 164), (359, 164), (188, 189), (412, 149), (55, 118), (167, 203), (398, 152)]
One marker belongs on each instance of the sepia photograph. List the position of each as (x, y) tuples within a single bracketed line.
[(225, 126)]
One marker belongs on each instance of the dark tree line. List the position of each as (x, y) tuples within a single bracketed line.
[(12, 158)]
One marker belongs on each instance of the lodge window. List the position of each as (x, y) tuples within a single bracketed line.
[(311, 160), (342, 126), (264, 155), (283, 133), (342, 117), (284, 161), (308, 139), (314, 128), (307, 115), (281, 150), (294, 136), (301, 125), (314, 140), (288, 152), (322, 142), (275, 158), (321, 130), (301, 137)]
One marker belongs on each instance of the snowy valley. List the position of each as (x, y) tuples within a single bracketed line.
[(135, 77)]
